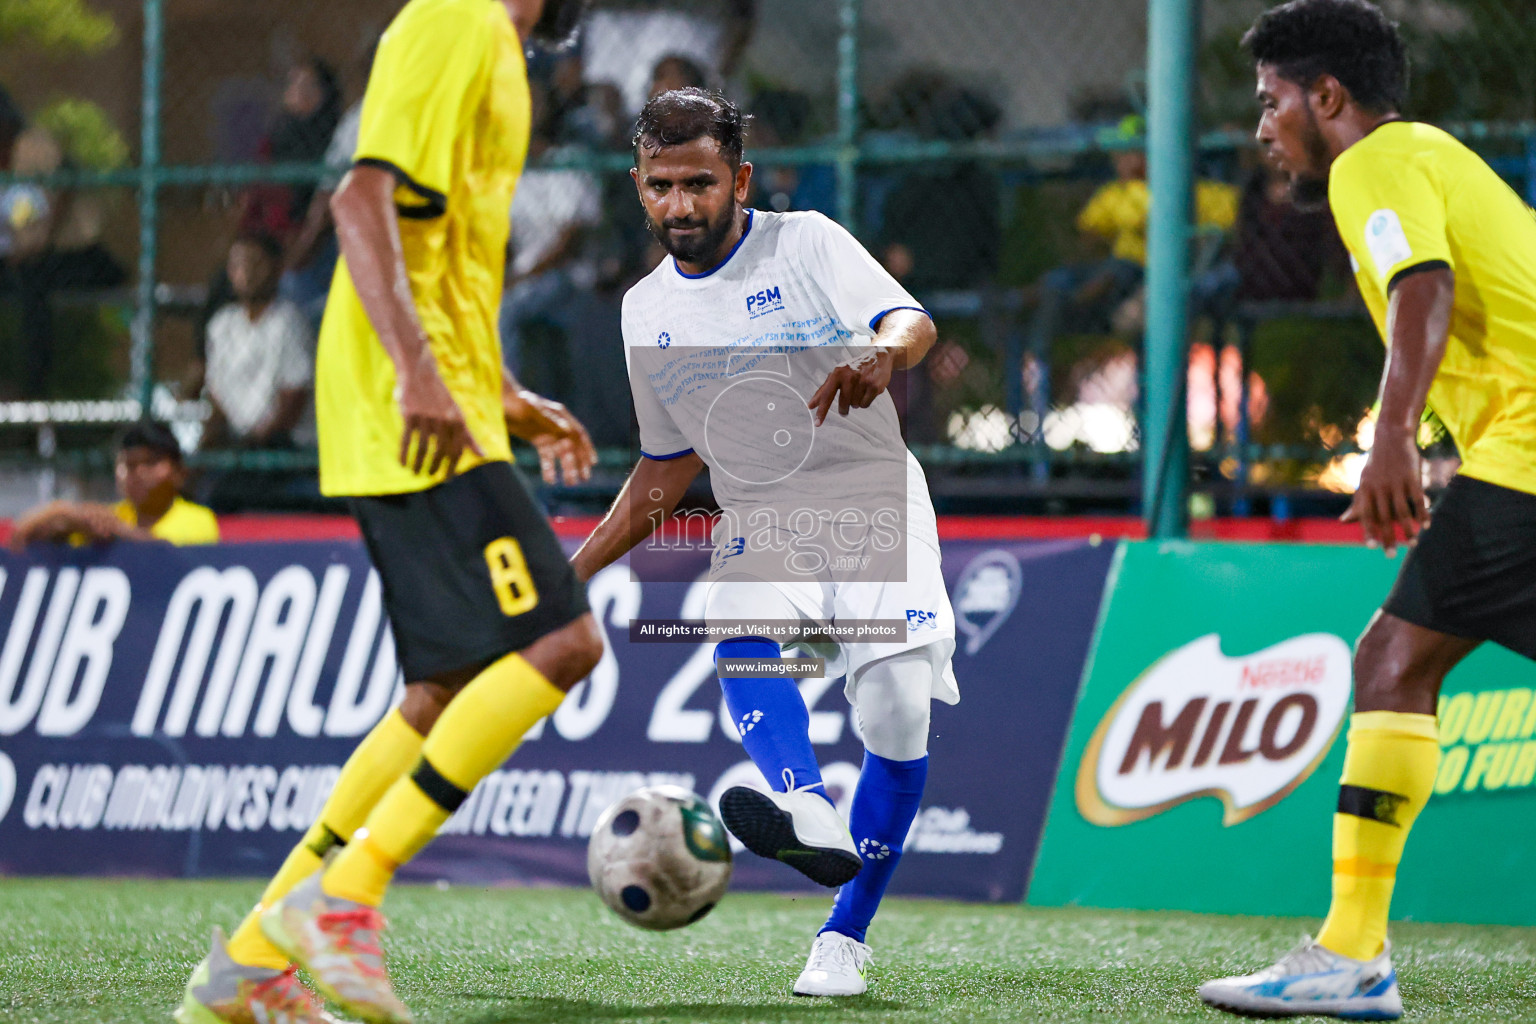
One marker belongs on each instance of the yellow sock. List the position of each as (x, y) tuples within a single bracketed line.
[(1389, 773), (474, 736), (383, 756)]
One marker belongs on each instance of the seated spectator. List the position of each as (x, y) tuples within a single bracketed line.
[(150, 476), (261, 365), (1279, 251), (1089, 294)]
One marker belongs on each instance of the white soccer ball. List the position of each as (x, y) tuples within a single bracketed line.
[(659, 858)]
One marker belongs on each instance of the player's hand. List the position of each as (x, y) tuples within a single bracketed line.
[(565, 450), (1391, 494), (854, 384), (434, 423)]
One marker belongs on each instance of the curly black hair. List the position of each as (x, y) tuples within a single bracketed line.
[(1352, 40), (683, 115)]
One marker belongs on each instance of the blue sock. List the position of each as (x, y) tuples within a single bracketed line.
[(771, 719), (884, 806)]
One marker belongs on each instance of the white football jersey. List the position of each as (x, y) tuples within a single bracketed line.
[(723, 364)]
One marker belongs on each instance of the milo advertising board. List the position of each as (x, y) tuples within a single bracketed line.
[(1202, 765)]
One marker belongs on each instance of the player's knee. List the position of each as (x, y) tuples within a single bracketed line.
[(896, 732), (893, 701), (1392, 672), (424, 703)]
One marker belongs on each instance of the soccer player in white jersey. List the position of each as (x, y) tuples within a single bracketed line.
[(740, 345)]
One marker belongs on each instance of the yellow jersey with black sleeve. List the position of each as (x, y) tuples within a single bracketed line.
[(447, 113), (184, 523), (1410, 197)]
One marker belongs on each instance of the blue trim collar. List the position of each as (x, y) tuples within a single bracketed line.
[(695, 277)]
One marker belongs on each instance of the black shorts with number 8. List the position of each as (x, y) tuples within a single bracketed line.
[(471, 571)]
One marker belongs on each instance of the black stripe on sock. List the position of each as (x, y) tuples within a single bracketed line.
[(438, 789), (1372, 804), (327, 841)]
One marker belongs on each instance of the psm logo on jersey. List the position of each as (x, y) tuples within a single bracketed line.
[(766, 301), (918, 620), (663, 340)]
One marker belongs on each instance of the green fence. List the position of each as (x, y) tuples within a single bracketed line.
[(1010, 113)]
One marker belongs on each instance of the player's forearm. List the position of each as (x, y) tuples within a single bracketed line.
[(369, 233), (1418, 328), (909, 334), (648, 497)]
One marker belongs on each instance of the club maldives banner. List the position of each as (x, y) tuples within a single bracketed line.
[(1202, 765), (184, 712)]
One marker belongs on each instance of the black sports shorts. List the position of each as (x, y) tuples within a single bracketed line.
[(1473, 572), (471, 571)]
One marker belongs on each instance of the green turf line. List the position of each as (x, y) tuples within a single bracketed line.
[(118, 952)]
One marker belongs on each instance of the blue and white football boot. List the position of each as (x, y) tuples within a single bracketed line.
[(1313, 980)]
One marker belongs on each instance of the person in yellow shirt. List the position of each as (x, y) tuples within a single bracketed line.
[(150, 476), (1445, 255), (1085, 295), (414, 407)]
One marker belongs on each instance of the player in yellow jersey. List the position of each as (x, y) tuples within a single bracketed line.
[(1445, 256), (491, 626)]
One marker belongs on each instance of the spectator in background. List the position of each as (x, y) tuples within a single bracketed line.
[(675, 72), (781, 117), (940, 227), (311, 110), (552, 210), (623, 41), (261, 363), (301, 133), (51, 242), (580, 113), (310, 260), (1088, 295), (1282, 251), (150, 476)]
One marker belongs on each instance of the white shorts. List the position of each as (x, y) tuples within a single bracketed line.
[(920, 600)]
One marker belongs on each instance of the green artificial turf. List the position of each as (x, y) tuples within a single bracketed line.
[(83, 952)]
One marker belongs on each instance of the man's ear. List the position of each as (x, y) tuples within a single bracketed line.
[(743, 181), (1327, 97)]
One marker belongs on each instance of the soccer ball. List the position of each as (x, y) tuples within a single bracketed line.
[(659, 858)]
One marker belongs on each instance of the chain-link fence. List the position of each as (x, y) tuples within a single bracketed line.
[(989, 154)]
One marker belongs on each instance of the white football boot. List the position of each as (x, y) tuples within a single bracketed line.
[(800, 828), (1313, 980), (835, 967)]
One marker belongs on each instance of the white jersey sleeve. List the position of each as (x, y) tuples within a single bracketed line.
[(659, 436), (860, 290)]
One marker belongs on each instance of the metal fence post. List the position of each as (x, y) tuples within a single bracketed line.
[(142, 357), (1172, 31), (848, 113)]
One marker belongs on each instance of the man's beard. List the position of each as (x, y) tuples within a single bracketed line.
[(1309, 189), (701, 248)]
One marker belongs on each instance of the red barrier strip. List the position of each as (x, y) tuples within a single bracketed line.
[(248, 528)]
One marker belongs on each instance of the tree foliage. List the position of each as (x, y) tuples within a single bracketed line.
[(69, 26)]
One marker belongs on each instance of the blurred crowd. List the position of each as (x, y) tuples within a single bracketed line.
[(954, 231)]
